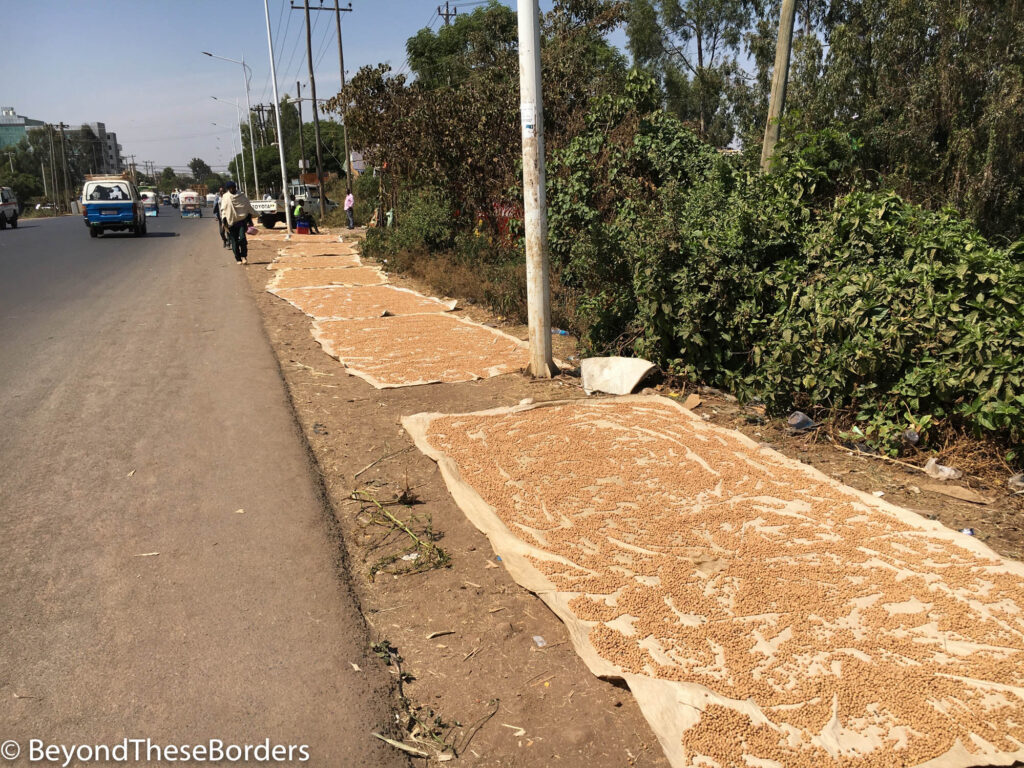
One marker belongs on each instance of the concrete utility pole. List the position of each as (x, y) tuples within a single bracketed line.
[(10, 159), (302, 141), (780, 76), (42, 170), (446, 14), (277, 115), (538, 288)]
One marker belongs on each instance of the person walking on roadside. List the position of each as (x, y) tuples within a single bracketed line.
[(220, 222), (236, 212), (350, 203)]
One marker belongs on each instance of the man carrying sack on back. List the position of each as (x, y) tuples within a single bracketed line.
[(236, 212)]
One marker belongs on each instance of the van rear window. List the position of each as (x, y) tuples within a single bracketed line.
[(107, 191)]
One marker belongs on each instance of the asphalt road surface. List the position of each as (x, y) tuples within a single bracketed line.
[(142, 412)]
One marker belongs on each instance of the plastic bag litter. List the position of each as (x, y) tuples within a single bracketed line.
[(932, 468), (799, 421)]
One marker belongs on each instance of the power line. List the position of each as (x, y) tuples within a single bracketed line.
[(312, 34), (266, 84), (298, 39), (405, 65), (323, 45)]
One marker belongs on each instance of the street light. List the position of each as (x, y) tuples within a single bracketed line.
[(277, 117), (234, 150), (241, 154), (246, 74)]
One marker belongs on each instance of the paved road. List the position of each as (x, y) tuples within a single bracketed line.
[(141, 407)]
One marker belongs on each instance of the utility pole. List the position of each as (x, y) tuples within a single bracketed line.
[(302, 141), (53, 171), (64, 163), (312, 93), (10, 159), (446, 14), (341, 64), (264, 119), (42, 170), (780, 76), (277, 115), (258, 134), (538, 288), (241, 148), (131, 167)]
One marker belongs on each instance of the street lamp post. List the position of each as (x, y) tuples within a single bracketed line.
[(277, 116), (246, 73), (241, 152)]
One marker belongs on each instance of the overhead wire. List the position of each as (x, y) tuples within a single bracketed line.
[(266, 86), (312, 36), (287, 69), (405, 66), (323, 47)]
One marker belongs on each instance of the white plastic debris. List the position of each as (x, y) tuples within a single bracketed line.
[(613, 375), (940, 471)]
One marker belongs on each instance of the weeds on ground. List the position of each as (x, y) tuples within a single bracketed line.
[(422, 724), (410, 537)]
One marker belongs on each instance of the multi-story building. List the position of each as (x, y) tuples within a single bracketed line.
[(108, 150), (105, 154), (13, 126)]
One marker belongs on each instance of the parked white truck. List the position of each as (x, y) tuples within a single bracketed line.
[(272, 211)]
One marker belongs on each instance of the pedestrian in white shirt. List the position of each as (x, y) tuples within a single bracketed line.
[(236, 212), (349, 205)]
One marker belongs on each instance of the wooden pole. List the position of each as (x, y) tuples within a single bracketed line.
[(302, 142), (780, 76), (341, 64), (277, 116), (316, 114)]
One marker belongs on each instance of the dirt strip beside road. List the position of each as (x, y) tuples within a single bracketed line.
[(483, 651)]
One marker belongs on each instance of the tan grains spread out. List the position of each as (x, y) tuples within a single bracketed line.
[(314, 262), (322, 248), (741, 573), (281, 236), (307, 278), (362, 301), (400, 351)]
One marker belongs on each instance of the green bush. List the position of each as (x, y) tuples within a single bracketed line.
[(805, 287), (426, 222)]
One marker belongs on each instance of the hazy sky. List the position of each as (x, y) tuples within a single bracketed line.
[(136, 64)]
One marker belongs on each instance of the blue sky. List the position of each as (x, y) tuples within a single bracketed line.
[(136, 64)]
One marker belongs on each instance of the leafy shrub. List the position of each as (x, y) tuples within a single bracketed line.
[(802, 287), (426, 222)]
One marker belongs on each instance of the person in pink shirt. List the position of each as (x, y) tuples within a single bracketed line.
[(349, 205)]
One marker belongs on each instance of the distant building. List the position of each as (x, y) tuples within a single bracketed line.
[(13, 126), (108, 151)]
